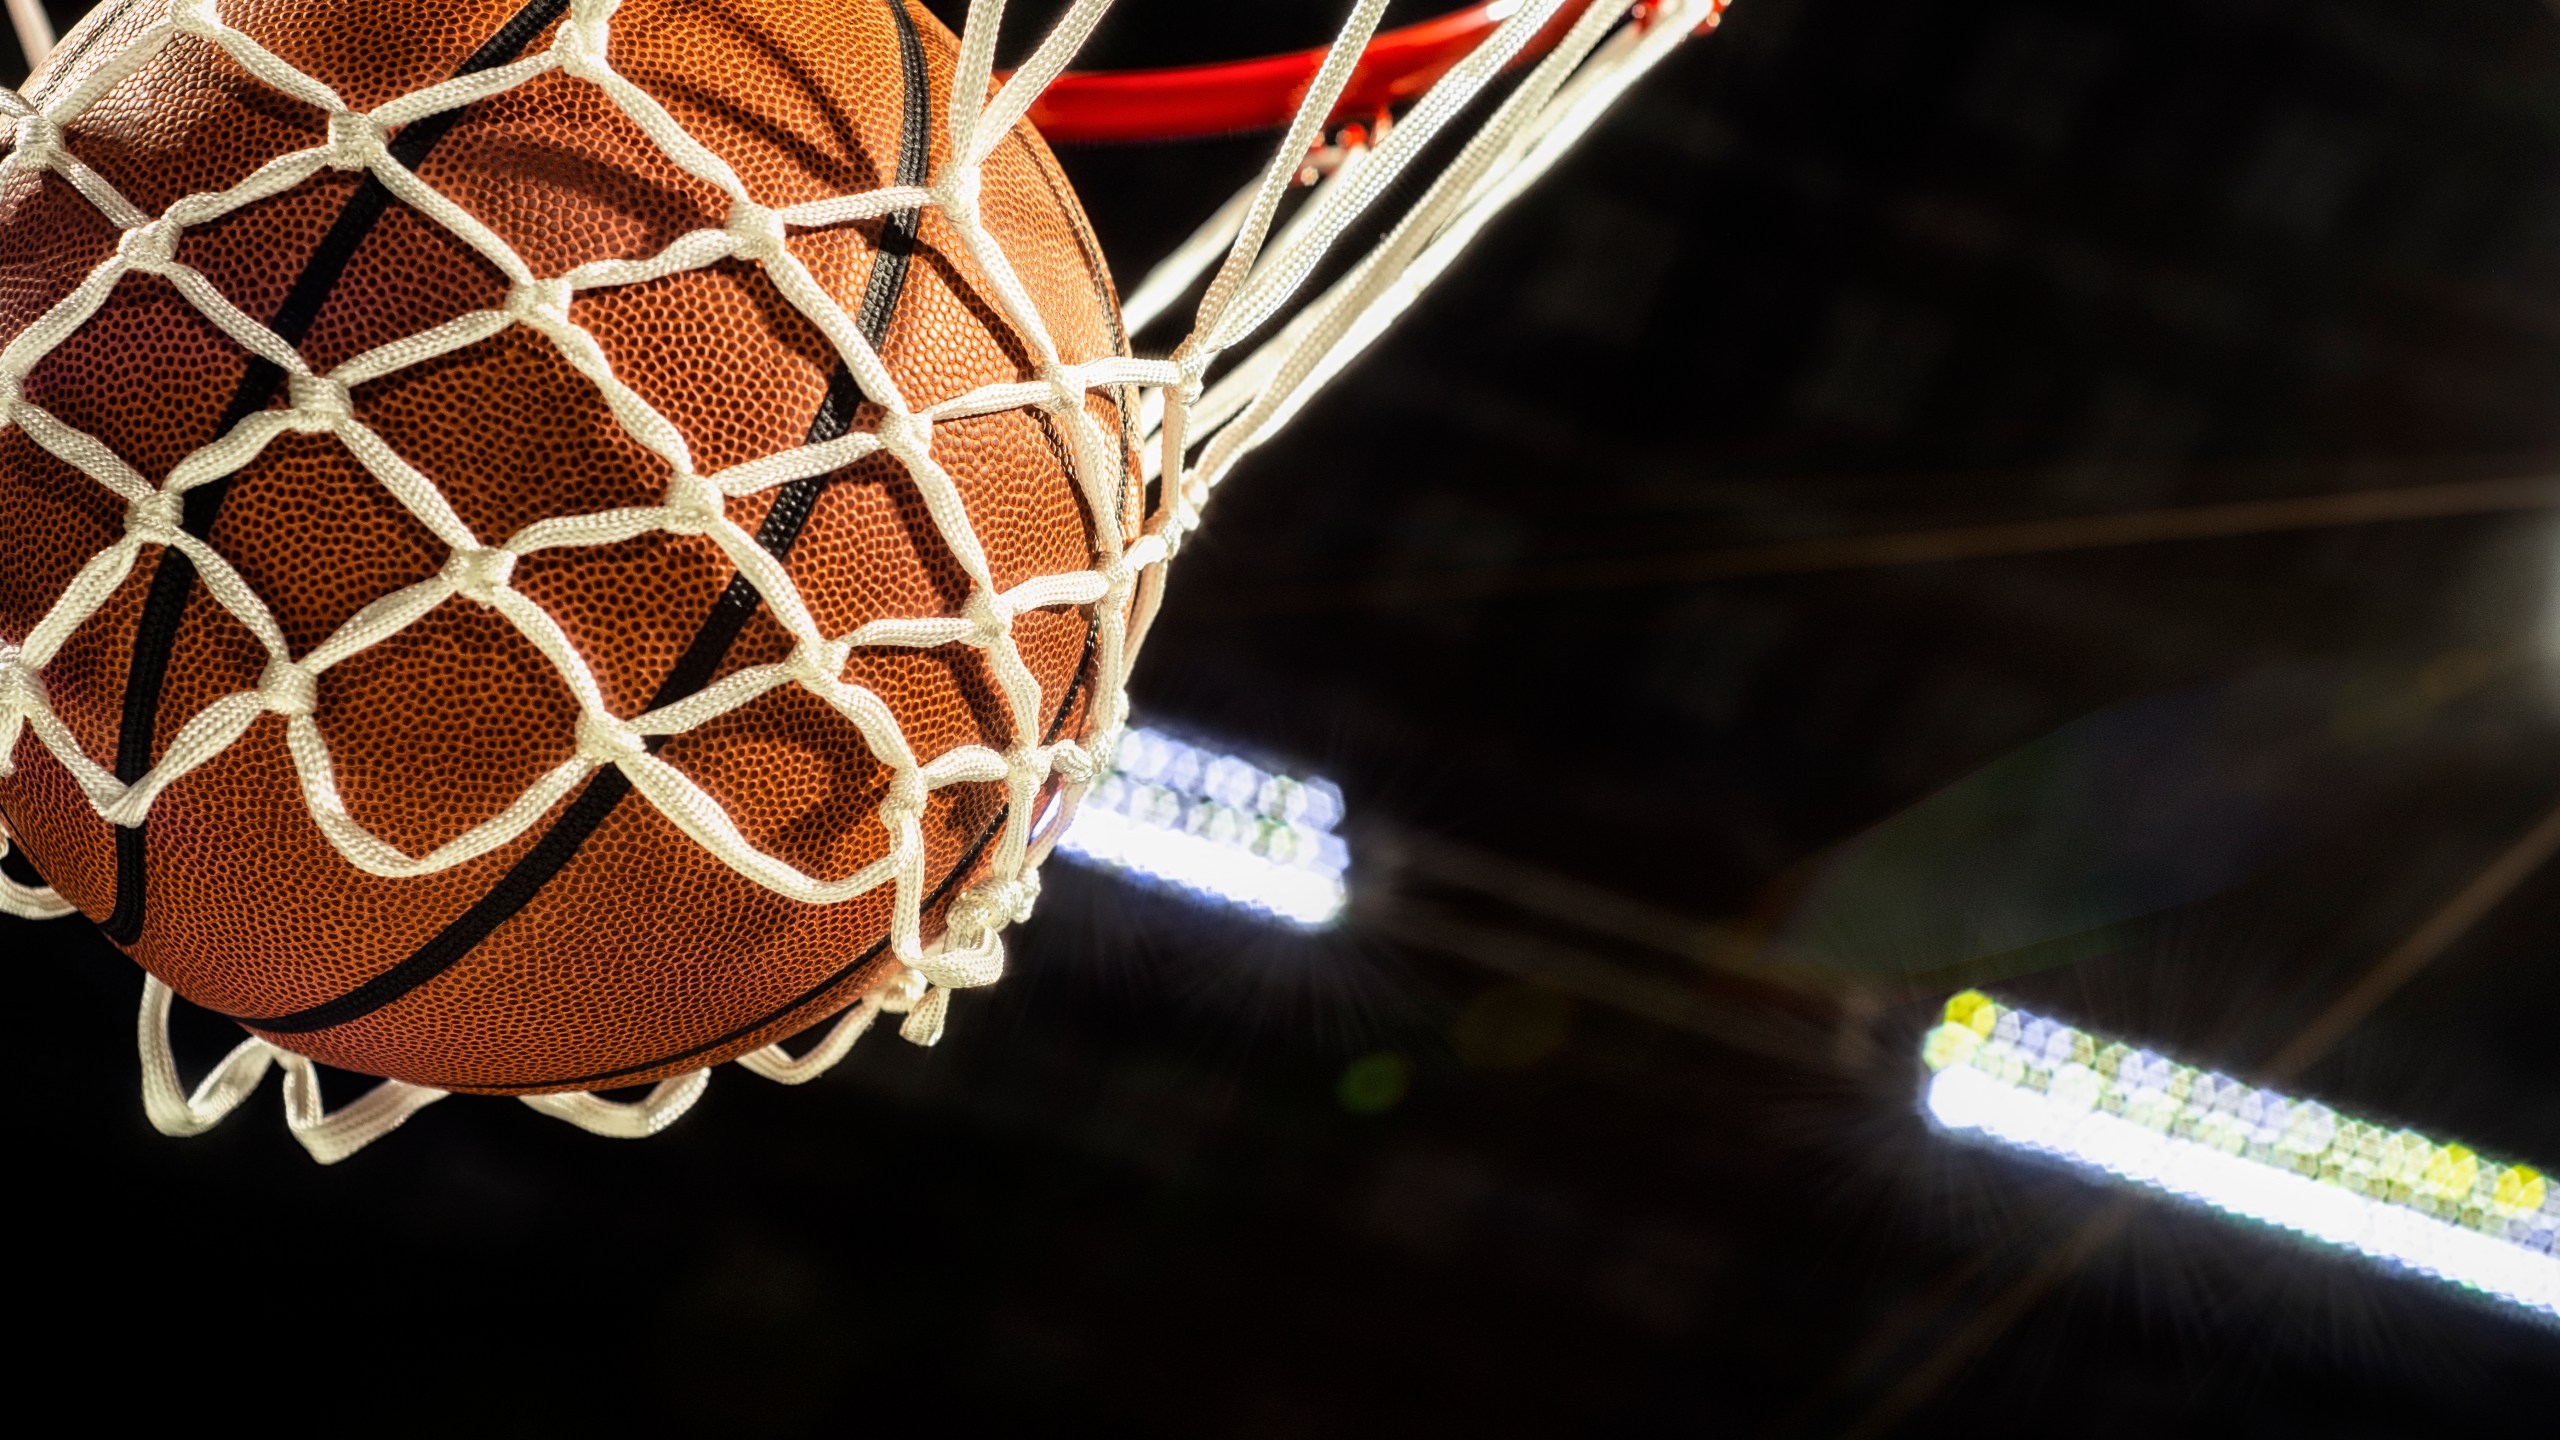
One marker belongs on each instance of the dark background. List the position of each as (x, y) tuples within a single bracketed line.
[(1678, 804)]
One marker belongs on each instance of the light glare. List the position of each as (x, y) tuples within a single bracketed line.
[(2395, 1196), (1216, 826)]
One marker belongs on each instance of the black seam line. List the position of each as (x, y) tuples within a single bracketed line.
[(1085, 664), (604, 792), (173, 579), (968, 861)]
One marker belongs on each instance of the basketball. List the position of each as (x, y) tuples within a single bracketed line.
[(513, 646)]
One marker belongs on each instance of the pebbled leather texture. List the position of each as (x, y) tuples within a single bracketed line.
[(644, 956)]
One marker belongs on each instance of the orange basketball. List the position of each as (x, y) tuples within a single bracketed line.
[(603, 944)]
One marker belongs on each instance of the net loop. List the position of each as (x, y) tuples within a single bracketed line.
[(639, 1119), (971, 954), (28, 902), (780, 1066), (329, 1135), (925, 1005), (170, 1106), (333, 1135), (925, 1021)]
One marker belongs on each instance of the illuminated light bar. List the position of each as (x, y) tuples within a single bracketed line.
[(2394, 1195), (1217, 827)]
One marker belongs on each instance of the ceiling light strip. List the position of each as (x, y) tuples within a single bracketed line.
[(1217, 827), (2394, 1195)]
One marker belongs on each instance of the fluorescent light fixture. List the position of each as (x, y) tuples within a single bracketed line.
[(1217, 827), (2394, 1195)]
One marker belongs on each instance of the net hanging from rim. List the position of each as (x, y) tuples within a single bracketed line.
[(1257, 349)]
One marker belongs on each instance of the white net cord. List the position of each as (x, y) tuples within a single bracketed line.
[(639, 1119), (1196, 401), (29, 902), (330, 1135)]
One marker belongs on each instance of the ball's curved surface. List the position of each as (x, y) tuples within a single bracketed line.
[(602, 947)]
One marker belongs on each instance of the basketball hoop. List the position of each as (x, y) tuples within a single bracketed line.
[(1188, 102), (1580, 57), (1494, 95)]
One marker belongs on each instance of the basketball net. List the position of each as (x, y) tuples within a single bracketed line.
[(1257, 350)]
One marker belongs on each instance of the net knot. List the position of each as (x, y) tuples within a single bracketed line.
[(756, 231), (955, 191), (197, 18), (924, 1022), (972, 923), (580, 46), (1022, 896), (1066, 384), (156, 517), (697, 504), (478, 575), (1074, 764), (989, 617), (971, 953), (151, 248), (39, 143), (906, 794), (354, 140), (320, 403), (21, 689), (608, 741), (1104, 746), (904, 432), (289, 689), (903, 993), (819, 664), (539, 301)]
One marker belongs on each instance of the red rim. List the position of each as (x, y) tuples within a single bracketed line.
[(1192, 101)]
